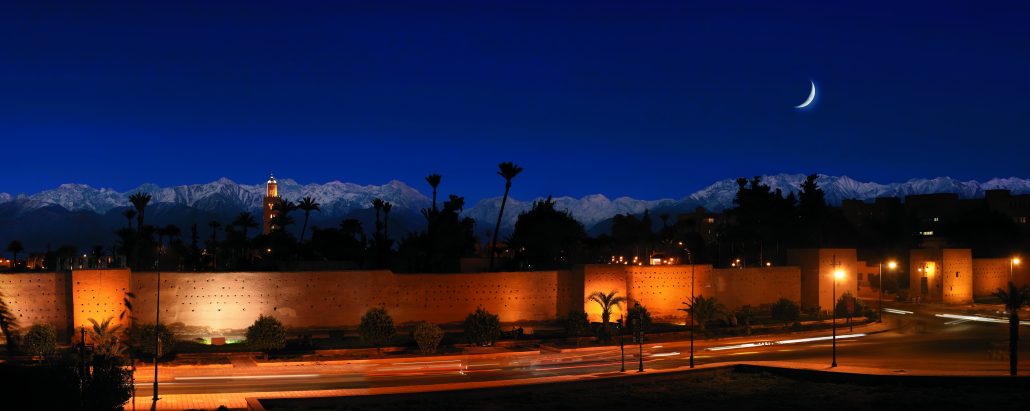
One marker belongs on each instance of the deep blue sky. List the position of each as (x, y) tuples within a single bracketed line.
[(647, 99)]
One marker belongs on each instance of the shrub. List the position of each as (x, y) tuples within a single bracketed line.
[(109, 386), (576, 324), (428, 336), (40, 340), (376, 328), (143, 337), (482, 328), (786, 311), (645, 323), (266, 334)]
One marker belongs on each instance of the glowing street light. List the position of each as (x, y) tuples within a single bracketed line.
[(891, 265), (838, 274), (1012, 262)]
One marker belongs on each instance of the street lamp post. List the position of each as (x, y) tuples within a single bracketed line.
[(690, 256), (837, 273), (640, 338), (157, 318), (891, 265), (622, 344)]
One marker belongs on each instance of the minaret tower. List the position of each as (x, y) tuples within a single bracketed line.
[(272, 199)]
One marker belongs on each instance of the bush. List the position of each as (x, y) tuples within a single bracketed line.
[(376, 328), (482, 328), (576, 324), (109, 386), (786, 311), (645, 324), (841, 309), (428, 336), (266, 334), (143, 337), (40, 340)]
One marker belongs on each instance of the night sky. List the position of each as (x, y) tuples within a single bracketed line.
[(646, 99)]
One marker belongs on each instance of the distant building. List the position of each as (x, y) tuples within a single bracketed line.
[(272, 200), (1015, 207), (703, 222)]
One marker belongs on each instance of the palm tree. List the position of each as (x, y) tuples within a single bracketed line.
[(508, 171), (307, 204), (386, 218), (8, 324), (704, 310), (171, 231), (607, 302), (281, 218), (245, 221), (1014, 298), (214, 224), (129, 214), (105, 337), (15, 247), (377, 203), (434, 181), (140, 200)]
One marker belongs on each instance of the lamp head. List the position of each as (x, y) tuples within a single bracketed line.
[(838, 274), (1015, 261), (892, 264)]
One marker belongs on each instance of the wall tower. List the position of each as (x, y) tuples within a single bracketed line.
[(272, 200)]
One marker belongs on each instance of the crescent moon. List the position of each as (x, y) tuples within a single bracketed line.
[(811, 97)]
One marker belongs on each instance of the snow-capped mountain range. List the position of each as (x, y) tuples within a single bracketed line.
[(222, 194), (225, 197)]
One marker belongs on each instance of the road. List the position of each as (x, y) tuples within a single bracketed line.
[(919, 340)]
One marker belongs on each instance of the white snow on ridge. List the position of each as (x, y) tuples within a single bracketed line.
[(337, 198)]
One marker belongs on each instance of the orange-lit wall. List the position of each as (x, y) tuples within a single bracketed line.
[(99, 294), (990, 274), (817, 275), (664, 289), (957, 287), (37, 298), (228, 302)]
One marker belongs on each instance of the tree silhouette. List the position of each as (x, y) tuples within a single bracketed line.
[(377, 204), (214, 224), (15, 247), (129, 214), (281, 218), (546, 238), (140, 200), (1014, 298), (508, 171), (245, 221), (386, 218), (607, 302), (8, 324), (307, 204), (439, 248), (703, 310)]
